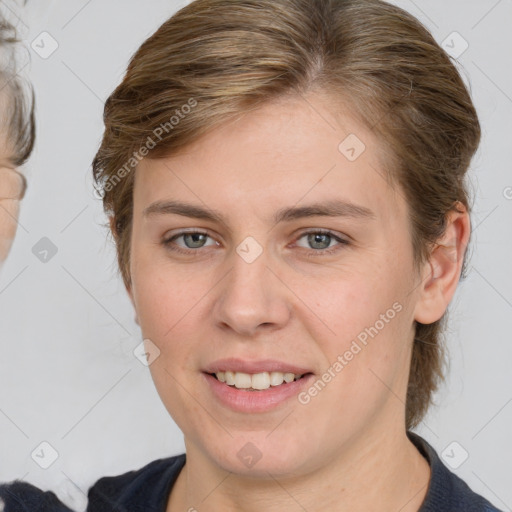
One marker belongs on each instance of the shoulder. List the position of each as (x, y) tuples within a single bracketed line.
[(446, 491), (20, 496), (145, 489)]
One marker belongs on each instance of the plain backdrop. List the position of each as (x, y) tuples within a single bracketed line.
[(68, 376)]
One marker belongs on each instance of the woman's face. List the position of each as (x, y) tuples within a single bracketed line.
[(12, 188), (309, 271)]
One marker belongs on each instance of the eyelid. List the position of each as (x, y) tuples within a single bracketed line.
[(168, 240), (342, 241), (322, 231), (187, 231)]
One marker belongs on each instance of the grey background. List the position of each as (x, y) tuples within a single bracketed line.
[(68, 375)]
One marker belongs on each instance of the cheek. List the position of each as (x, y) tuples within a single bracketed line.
[(166, 313), (168, 303), (346, 302), (361, 324)]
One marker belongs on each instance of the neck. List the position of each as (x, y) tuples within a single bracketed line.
[(382, 472)]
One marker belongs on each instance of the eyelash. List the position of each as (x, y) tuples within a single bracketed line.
[(168, 243)]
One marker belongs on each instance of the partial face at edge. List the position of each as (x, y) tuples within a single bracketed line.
[(12, 189), (299, 291)]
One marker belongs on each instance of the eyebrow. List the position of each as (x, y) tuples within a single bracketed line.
[(332, 208)]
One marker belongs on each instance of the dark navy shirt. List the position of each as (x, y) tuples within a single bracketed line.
[(148, 488), (23, 497)]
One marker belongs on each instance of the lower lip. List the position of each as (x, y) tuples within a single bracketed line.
[(242, 400)]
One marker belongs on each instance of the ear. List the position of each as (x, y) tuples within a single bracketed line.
[(129, 291), (441, 273)]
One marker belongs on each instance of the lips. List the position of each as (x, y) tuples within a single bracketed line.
[(252, 400), (266, 377), (236, 365)]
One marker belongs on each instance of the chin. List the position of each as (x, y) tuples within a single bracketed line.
[(257, 456)]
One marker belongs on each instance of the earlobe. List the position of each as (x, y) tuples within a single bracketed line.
[(442, 272)]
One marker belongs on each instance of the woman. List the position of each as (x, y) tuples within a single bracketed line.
[(285, 186), (16, 139), (17, 136)]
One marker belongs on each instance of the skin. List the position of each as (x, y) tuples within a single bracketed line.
[(12, 187), (347, 448)]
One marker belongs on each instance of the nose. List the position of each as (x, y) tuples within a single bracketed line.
[(251, 298)]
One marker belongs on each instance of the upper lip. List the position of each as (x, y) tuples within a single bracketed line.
[(257, 366)]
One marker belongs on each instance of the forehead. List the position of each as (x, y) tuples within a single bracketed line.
[(289, 151)]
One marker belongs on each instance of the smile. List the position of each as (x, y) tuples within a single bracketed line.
[(256, 381)]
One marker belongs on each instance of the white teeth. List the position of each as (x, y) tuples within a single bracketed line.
[(276, 378), (243, 380), (260, 381), (257, 381)]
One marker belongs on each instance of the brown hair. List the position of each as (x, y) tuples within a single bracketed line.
[(227, 57), (16, 101)]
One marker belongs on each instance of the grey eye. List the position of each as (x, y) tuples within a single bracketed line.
[(319, 240), (194, 240)]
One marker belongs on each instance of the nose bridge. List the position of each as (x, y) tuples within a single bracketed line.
[(251, 296)]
